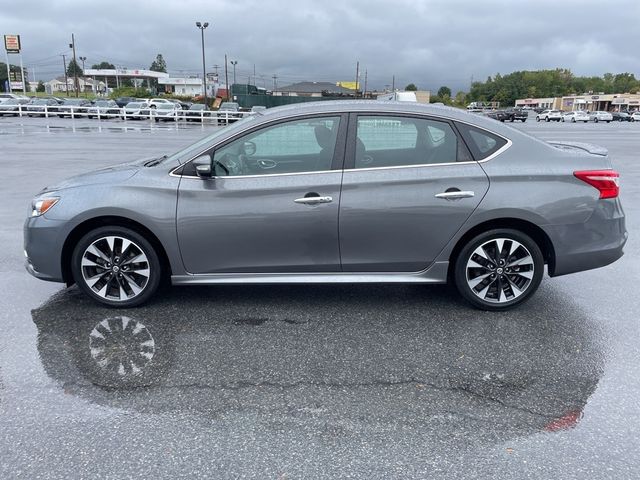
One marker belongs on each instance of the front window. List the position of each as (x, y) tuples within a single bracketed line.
[(293, 147)]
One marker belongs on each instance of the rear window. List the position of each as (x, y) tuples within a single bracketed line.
[(481, 142)]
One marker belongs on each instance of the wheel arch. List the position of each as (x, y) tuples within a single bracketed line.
[(536, 233), (109, 221)]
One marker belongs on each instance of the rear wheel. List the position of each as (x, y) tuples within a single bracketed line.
[(116, 266), (499, 269)]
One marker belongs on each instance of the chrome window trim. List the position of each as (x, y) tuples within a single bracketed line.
[(332, 112)]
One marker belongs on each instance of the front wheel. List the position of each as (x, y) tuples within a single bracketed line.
[(596, 120), (499, 269), (547, 119), (537, 119), (116, 266)]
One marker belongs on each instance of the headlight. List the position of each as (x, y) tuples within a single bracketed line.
[(42, 205)]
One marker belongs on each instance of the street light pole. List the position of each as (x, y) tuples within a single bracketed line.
[(202, 26), (82, 59), (234, 63)]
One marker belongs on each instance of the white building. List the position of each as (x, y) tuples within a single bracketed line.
[(182, 86)]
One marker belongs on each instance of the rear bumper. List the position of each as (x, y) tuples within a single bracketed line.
[(595, 243)]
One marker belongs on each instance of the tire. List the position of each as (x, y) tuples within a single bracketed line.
[(573, 120), (608, 121), (595, 119), (100, 250), (494, 295), (547, 119), (562, 119), (537, 118)]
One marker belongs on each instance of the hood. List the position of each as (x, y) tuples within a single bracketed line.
[(112, 174)]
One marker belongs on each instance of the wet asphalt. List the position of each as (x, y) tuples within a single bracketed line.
[(309, 381)]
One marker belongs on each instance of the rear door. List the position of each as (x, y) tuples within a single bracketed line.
[(410, 185)]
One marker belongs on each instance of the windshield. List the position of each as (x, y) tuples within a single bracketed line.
[(40, 101), (198, 106), (133, 105), (229, 106), (166, 106), (101, 103), (186, 153)]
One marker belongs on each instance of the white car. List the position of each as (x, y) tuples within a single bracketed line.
[(600, 116), (549, 115), (167, 111), (635, 116), (132, 110), (575, 116), (155, 102)]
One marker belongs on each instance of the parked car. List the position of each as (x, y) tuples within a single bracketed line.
[(13, 106), (575, 116), (516, 113), (75, 105), (499, 115), (167, 111), (197, 112), (133, 110), (123, 101), (621, 116), (154, 102), (104, 109), (228, 112), (272, 199), (635, 116), (549, 115), (42, 107), (258, 109), (600, 116), (183, 105)]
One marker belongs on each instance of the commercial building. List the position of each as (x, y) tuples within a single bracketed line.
[(613, 102), (182, 86)]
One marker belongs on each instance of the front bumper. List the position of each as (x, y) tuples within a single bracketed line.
[(43, 242)]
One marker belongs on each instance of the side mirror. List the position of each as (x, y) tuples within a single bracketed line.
[(203, 166)]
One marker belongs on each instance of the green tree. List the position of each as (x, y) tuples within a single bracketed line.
[(103, 66), (74, 69), (158, 65), (460, 100), (411, 88), (444, 92), (40, 87)]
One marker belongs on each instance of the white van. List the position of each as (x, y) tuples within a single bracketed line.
[(399, 97)]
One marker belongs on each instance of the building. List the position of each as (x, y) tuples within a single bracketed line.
[(546, 103), (313, 89), (113, 76), (57, 85), (182, 86), (613, 102)]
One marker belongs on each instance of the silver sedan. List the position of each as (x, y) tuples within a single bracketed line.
[(336, 192)]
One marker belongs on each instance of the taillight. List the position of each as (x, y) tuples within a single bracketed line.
[(606, 181)]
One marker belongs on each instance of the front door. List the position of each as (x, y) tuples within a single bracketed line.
[(272, 204), (410, 186)]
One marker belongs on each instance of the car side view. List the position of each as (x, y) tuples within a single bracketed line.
[(336, 192)]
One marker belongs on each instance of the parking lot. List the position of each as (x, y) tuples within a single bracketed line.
[(344, 381)]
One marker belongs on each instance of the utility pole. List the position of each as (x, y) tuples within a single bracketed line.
[(202, 26), (365, 84), (393, 84), (234, 63), (66, 80), (275, 83), (226, 75), (357, 77), (75, 63)]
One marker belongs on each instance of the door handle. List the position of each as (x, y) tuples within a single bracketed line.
[(313, 200), (454, 195)]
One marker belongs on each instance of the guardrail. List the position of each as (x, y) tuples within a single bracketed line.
[(157, 115)]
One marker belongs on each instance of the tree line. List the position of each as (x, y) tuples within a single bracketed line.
[(559, 82)]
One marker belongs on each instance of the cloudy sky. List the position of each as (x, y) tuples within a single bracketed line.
[(428, 42)]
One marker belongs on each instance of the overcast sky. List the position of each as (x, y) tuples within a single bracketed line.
[(428, 42)]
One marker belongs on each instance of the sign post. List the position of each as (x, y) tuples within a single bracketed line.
[(12, 45)]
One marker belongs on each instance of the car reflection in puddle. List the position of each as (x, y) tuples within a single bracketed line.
[(374, 357)]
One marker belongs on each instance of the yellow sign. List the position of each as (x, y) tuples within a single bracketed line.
[(349, 85), (12, 43)]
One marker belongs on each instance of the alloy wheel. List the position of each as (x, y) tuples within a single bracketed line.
[(500, 270), (115, 268)]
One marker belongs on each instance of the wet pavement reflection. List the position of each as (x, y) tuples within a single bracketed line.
[(376, 357)]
